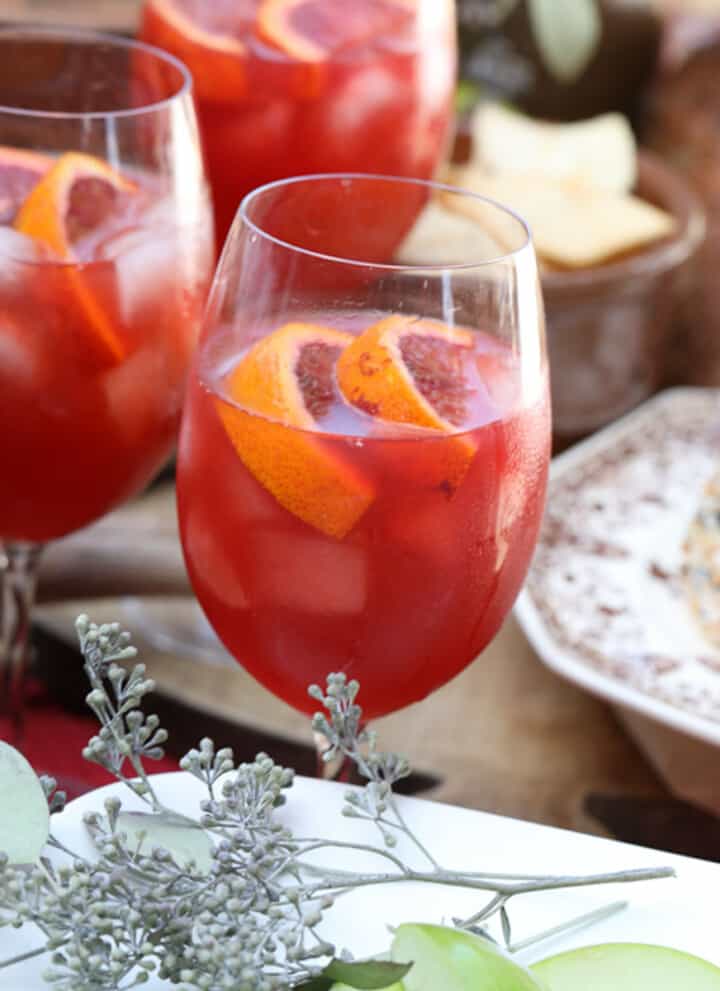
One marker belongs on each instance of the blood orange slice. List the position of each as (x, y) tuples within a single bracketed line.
[(285, 385), (71, 200), (409, 370), (311, 30), (412, 371), (20, 170), (207, 38)]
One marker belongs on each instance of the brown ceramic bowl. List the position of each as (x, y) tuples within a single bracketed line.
[(608, 327)]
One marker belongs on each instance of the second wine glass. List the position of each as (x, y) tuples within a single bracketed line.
[(106, 250)]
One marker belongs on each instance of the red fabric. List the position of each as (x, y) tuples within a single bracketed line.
[(53, 739)]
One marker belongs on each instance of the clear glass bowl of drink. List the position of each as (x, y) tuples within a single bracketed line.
[(286, 87)]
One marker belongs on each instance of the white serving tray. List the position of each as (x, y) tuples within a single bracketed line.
[(680, 912)]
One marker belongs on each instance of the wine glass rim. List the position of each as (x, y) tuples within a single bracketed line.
[(409, 267), (69, 33)]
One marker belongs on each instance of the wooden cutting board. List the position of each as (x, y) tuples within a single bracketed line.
[(108, 15)]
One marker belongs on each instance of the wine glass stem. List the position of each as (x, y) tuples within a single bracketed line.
[(19, 577), (340, 768)]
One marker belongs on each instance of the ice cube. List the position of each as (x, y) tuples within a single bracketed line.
[(364, 95), (312, 574), (207, 551), (162, 213), (139, 394), (146, 263), (426, 530), (16, 251), (18, 246), (19, 352), (173, 212)]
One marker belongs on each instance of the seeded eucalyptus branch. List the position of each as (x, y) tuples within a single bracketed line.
[(227, 900)]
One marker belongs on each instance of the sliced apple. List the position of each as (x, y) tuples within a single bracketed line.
[(600, 151), (574, 225), (627, 967), (447, 959), (441, 237)]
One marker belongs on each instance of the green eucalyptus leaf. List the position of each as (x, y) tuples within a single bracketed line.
[(317, 984), (567, 33), (366, 975), (24, 812), (467, 95), (180, 837)]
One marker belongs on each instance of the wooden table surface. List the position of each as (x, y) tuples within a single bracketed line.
[(108, 15)]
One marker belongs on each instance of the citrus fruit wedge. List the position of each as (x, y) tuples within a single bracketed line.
[(206, 37), (285, 386), (411, 371), (310, 30), (20, 170), (71, 199)]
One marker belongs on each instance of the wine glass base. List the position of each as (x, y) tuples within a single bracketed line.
[(174, 626)]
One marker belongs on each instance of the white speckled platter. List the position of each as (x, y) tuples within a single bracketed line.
[(604, 604)]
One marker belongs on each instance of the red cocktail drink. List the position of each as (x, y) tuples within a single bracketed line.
[(391, 552), (106, 252), (291, 87), (95, 338), (364, 449)]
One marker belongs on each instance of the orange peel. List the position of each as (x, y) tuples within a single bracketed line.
[(355, 23), (20, 170), (215, 59), (271, 429), (374, 375), (43, 215), (379, 375)]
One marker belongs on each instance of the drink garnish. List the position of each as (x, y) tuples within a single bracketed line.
[(310, 30), (285, 385), (210, 45), (72, 198), (412, 371), (20, 170)]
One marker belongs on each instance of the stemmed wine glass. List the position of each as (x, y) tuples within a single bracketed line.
[(363, 457), (106, 251)]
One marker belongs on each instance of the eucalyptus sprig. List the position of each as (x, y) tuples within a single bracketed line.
[(230, 899)]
